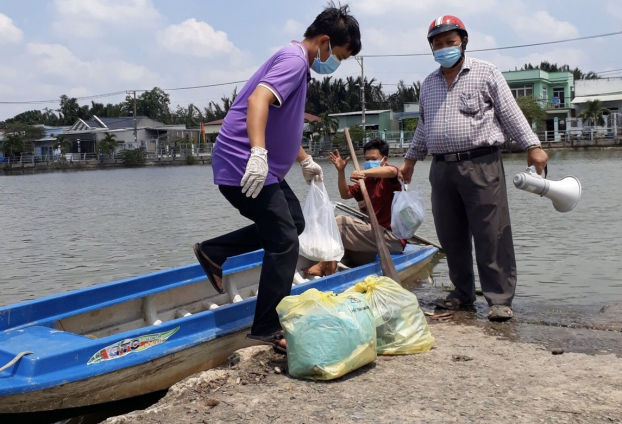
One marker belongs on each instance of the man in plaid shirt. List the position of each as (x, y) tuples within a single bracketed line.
[(465, 108)]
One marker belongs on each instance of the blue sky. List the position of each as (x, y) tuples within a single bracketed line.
[(90, 47)]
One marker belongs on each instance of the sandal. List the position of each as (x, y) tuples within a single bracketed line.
[(209, 267), (500, 313), (455, 303), (273, 340)]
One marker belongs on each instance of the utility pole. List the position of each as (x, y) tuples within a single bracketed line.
[(135, 129), (359, 59)]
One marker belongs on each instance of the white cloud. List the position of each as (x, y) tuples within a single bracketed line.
[(58, 61), (294, 27), (614, 9), (404, 7), (195, 38), (92, 18), (542, 24), (573, 57), (9, 33), (478, 40)]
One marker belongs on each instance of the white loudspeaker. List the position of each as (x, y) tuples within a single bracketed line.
[(564, 194)]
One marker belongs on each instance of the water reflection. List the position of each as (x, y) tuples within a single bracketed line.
[(66, 230)]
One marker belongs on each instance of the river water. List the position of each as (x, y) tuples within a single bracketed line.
[(66, 230)]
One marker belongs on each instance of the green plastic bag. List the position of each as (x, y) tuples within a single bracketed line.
[(401, 326), (327, 335)]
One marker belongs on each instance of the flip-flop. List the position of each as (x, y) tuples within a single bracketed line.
[(270, 340), (209, 269), (456, 303)]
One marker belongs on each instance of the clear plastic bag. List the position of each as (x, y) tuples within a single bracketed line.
[(401, 325), (407, 212), (320, 241), (327, 335)]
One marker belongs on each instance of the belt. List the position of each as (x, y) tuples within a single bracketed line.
[(467, 155)]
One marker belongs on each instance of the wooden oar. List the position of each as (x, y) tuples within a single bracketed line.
[(386, 263), (365, 218)]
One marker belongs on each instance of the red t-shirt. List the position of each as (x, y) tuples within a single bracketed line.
[(380, 192)]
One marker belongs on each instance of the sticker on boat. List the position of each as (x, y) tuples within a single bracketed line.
[(127, 346)]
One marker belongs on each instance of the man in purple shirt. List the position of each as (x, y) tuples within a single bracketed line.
[(465, 108), (259, 142)]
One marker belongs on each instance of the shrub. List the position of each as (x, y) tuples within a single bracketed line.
[(134, 157)]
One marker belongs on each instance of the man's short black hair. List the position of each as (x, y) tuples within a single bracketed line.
[(377, 144), (339, 25)]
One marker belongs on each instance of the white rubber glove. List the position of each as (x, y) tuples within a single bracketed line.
[(311, 170), (256, 172)]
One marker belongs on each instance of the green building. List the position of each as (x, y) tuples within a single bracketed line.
[(553, 91)]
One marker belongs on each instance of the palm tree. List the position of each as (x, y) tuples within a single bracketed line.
[(593, 112), (328, 124), (13, 144), (108, 144), (62, 143)]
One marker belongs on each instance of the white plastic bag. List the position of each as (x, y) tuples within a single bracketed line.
[(320, 241), (407, 212)]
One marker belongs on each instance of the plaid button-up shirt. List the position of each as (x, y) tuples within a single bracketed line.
[(474, 112)]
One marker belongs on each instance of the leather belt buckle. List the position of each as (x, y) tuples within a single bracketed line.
[(453, 157)]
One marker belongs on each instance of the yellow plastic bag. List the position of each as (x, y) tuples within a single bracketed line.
[(401, 326), (327, 335)]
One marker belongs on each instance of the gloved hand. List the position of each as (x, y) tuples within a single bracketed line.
[(311, 170), (256, 172)]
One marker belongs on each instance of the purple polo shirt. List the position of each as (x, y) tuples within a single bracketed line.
[(285, 74)]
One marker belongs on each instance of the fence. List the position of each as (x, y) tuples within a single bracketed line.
[(24, 159), (581, 134), (395, 139)]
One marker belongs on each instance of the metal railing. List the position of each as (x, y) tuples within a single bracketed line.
[(395, 139), (580, 134)]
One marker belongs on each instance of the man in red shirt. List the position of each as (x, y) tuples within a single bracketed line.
[(381, 182)]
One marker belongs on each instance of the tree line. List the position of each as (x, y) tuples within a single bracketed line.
[(553, 67), (324, 96)]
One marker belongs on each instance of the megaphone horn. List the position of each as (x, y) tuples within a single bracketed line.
[(564, 194)]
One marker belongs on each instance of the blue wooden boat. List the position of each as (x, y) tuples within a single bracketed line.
[(136, 336)]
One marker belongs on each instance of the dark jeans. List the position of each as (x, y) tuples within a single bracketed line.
[(278, 221)]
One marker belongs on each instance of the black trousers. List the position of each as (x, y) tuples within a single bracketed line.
[(278, 220), (470, 206)]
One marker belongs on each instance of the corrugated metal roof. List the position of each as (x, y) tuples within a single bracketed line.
[(601, 97)]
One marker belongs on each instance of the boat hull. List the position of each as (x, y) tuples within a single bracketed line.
[(152, 376), (209, 339)]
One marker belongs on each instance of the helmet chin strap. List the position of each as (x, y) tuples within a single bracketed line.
[(459, 61)]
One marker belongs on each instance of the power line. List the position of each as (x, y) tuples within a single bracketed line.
[(606, 72), (97, 96), (503, 48), (200, 86)]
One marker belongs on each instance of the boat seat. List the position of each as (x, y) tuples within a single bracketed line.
[(43, 342), (39, 339)]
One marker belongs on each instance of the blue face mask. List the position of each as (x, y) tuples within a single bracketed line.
[(369, 164), (448, 56), (328, 67)]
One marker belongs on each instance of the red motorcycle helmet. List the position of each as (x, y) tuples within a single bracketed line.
[(446, 23)]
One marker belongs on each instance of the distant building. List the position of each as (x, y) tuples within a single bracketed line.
[(44, 146), (86, 133), (375, 120), (553, 91), (607, 90)]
